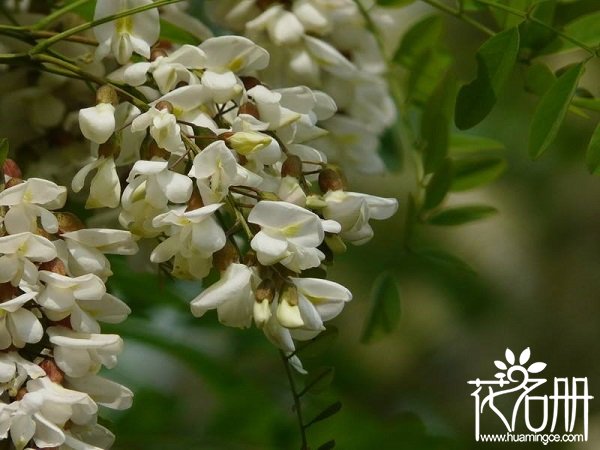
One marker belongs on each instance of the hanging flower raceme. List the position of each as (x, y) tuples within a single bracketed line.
[(325, 45), (227, 178), (51, 344)]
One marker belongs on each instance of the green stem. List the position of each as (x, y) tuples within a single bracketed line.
[(47, 20), (459, 14), (297, 403), (527, 16), (86, 26)]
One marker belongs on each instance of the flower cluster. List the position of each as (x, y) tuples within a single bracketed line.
[(222, 172), (323, 44), (52, 298)]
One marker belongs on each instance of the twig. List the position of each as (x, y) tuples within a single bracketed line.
[(297, 402)]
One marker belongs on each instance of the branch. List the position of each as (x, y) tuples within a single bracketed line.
[(459, 14), (297, 403)]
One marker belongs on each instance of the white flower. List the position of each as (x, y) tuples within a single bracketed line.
[(97, 123), (232, 297), (129, 34), (82, 251), (102, 391), (79, 354), (160, 185), (167, 71), (15, 370), (83, 299), (19, 253), (289, 235), (163, 128), (30, 200), (194, 234), (215, 169), (19, 326), (227, 56), (352, 210), (43, 412), (105, 188)]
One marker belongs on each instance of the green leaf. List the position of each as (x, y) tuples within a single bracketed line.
[(439, 185), (592, 156), (326, 413), (470, 143), (4, 148), (419, 39), (476, 170), (539, 79), (495, 61), (435, 124), (461, 214), (551, 111), (319, 380), (385, 308)]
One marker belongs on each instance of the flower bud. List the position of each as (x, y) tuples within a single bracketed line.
[(288, 313), (13, 182), (247, 142), (330, 180), (11, 169), (261, 313), (265, 291), (292, 167), (107, 94)]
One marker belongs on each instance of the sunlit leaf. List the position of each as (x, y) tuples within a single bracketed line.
[(385, 308), (461, 214), (495, 61), (551, 111)]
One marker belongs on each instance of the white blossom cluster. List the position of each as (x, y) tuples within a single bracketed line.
[(52, 298), (323, 44), (222, 172)]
